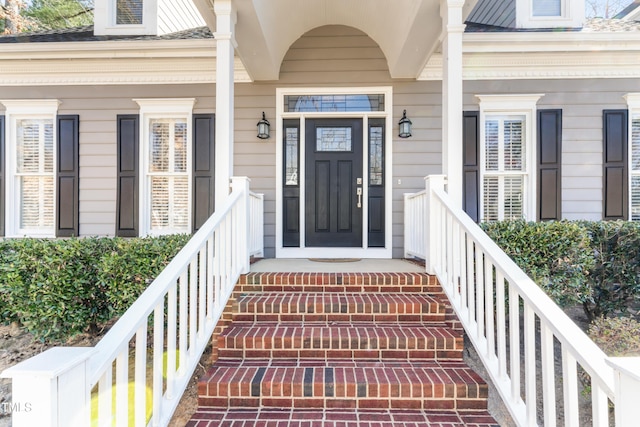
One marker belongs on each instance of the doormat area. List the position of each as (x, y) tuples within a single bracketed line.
[(335, 260)]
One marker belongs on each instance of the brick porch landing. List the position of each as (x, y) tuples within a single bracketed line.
[(341, 349)]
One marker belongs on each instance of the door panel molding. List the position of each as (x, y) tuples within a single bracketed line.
[(332, 216)]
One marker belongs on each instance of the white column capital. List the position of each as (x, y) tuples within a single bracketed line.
[(224, 7)]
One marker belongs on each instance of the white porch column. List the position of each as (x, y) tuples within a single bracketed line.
[(225, 46), (453, 28)]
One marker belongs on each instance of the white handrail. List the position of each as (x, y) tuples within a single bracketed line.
[(493, 298), (138, 372)]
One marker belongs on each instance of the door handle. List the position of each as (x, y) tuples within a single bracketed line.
[(359, 193)]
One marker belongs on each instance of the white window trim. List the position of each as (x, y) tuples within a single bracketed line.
[(18, 109), (633, 105), (512, 105), (105, 19), (162, 108), (387, 114), (572, 15)]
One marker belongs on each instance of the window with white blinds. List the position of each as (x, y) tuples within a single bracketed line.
[(547, 8), (34, 175), (129, 12), (635, 167), (504, 168), (168, 176)]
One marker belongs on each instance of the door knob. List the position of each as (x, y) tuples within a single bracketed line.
[(359, 193)]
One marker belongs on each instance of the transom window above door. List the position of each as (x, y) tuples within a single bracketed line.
[(333, 103)]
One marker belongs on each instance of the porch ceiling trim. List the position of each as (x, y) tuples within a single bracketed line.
[(407, 31)]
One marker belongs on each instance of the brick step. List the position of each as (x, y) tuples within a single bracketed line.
[(277, 306), (270, 417), (433, 385), (340, 340), (339, 282)]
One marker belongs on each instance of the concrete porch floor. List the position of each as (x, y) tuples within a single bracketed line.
[(365, 265)]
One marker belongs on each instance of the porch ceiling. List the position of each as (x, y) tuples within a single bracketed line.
[(407, 31)]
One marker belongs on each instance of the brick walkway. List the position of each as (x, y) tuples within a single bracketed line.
[(341, 350)]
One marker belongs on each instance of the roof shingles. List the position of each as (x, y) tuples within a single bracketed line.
[(85, 34)]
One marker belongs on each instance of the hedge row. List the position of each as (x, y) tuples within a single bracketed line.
[(58, 288), (592, 263)]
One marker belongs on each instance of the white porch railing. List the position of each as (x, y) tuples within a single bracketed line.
[(518, 331), (138, 372)]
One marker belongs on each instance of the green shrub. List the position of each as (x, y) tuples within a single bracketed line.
[(593, 263), (126, 271), (556, 255), (615, 277), (616, 336), (57, 288)]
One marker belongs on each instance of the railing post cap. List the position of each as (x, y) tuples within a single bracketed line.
[(436, 178), (240, 178), (628, 365), (51, 363)]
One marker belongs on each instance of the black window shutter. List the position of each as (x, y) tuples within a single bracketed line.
[(203, 168), (549, 165), (67, 176), (2, 176), (615, 185), (471, 164), (128, 183)]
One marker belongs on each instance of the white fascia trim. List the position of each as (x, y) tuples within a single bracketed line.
[(573, 41), (157, 108), (544, 55), (111, 49), (17, 109), (169, 62)]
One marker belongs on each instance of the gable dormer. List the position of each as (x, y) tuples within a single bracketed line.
[(528, 14), (145, 17), (550, 13)]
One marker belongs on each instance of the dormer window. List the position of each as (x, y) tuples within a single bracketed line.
[(126, 17), (549, 13), (129, 12), (144, 17), (547, 8)]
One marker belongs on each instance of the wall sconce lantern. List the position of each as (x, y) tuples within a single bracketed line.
[(264, 128), (405, 126)]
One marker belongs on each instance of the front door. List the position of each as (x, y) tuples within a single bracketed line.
[(333, 183)]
